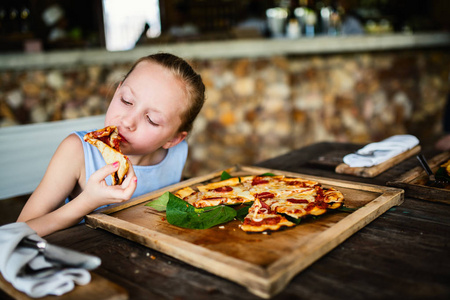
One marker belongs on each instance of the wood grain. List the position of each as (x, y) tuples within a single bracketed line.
[(229, 252)]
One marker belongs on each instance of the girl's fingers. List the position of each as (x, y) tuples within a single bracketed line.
[(105, 171), (130, 188)]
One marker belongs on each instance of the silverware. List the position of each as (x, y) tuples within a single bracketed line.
[(62, 256), (432, 181)]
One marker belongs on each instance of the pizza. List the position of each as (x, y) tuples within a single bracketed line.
[(107, 140), (274, 199)]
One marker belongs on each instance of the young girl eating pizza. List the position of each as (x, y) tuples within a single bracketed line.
[(154, 108)]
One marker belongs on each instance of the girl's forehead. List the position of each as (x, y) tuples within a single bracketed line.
[(153, 72), (149, 79)]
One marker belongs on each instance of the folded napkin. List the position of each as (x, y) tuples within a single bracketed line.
[(28, 270), (375, 153)]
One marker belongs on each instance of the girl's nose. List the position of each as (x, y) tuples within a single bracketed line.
[(129, 122)]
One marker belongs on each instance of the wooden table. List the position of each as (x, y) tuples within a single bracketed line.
[(403, 254)]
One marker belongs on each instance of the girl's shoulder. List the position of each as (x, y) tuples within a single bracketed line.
[(71, 148), (72, 141)]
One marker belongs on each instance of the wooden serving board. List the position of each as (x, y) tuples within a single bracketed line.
[(414, 182), (263, 263), (371, 172), (98, 289)]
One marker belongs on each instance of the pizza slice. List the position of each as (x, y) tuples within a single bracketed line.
[(261, 218), (107, 141), (313, 202), (228, 192)]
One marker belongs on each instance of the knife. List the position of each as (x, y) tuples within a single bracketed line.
[(62, 256)]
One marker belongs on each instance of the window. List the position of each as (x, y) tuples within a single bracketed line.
[(125, 22)]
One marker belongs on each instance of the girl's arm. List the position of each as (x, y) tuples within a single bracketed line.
[(44, 211)]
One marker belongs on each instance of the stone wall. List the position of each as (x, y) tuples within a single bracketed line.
[(262, 107)]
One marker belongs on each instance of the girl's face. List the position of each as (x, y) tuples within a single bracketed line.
[(147, 109)]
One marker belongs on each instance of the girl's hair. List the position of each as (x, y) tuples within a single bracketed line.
[(195, 89)]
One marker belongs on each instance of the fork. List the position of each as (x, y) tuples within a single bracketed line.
[(432, 181)]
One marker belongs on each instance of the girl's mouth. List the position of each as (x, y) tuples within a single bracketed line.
[(124, 140)]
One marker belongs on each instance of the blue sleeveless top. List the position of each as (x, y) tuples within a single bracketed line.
[(150, 178)]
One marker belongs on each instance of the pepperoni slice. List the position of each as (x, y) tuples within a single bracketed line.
[(265, 205), (297, 200), (259, 180), (223, 189), (296, 183), (264, 195)]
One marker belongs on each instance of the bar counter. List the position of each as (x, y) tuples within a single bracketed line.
[(250, 48)]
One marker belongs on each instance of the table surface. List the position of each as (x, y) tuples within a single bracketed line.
[(403, 254)]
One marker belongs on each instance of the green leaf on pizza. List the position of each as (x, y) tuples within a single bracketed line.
[(182, 214), (242, 212), (267, 174), (346, 209), (225, 175), (296, 221)]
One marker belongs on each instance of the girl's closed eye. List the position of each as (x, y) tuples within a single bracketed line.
[(152, 122), (125, 101)]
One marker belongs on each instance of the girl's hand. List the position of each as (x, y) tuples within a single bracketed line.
[(99, 193)]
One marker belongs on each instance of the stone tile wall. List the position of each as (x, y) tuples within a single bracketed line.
[(260, 108)]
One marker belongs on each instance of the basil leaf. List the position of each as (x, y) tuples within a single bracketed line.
[(267, 174), (296, 221), (182, 214), (160, 203), (346, 209), (225, 175), (242, 212)]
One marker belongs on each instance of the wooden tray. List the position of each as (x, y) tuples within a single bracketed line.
[(414, 182), (263, 263), (371, 172)]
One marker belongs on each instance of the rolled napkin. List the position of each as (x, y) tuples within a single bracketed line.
[(30, 271), (376, 153)]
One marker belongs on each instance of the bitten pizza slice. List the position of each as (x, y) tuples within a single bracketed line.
[(107, 141), (261, 218)]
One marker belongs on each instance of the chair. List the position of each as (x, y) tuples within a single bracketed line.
[(26, 150)]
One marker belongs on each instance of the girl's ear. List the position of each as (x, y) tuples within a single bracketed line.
[(178, 138)]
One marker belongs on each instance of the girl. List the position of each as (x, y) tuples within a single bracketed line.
[(154, 108)]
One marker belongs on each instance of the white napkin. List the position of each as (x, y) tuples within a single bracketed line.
[(379, 152), (28, 270)]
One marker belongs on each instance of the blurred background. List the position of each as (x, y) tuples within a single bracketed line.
[(279, 74), (118, 25)]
